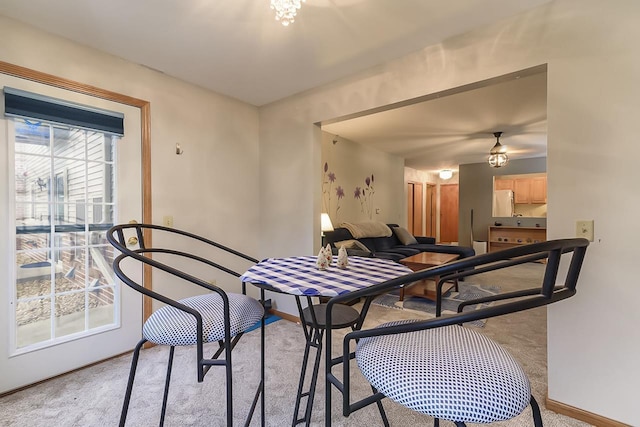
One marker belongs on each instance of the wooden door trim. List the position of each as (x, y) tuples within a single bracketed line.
[(421, 208), (145, 122)]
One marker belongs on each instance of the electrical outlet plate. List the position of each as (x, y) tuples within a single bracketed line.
[(584, 229), (167, 221)]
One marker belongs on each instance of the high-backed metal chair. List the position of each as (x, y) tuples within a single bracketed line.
[(213, 316), (440, 367)]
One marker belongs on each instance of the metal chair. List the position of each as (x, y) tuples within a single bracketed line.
[(440, 367), (214, 316)]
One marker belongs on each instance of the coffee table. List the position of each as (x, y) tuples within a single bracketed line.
[(427, 288)]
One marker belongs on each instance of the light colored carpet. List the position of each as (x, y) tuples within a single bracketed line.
[(93, 396), (450, 301)]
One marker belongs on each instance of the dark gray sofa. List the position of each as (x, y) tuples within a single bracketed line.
[(391, 247)]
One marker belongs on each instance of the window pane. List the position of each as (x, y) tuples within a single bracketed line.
[(73, 274), (33, 321), (30, 241), (32, 137), (98, 179), (33, 176), (69, 314), (100, 266), (68, 142), (101, 307), (99, 147), (33, 274)]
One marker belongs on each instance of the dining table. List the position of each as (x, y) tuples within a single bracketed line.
[(300, 277)]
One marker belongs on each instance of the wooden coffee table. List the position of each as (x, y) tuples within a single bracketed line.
[(427, 288)]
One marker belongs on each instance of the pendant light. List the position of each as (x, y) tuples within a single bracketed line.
[(498, 154)]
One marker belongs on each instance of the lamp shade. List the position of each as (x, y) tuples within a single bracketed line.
[(498, 154), (446, 174), (325, 222)]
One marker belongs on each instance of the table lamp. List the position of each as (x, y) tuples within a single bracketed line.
[(325, 225)]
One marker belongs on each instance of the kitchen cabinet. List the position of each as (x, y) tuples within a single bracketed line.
[(503, 184), (539, 190), (530, 190)]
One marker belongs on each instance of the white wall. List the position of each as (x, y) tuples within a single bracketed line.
[(351, 163), (590, 47), (213, 188)]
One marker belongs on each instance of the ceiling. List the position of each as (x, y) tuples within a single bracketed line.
[(445, 130), (237, 48)]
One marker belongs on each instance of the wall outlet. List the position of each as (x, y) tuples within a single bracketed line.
[(167, 221), (585, 229)]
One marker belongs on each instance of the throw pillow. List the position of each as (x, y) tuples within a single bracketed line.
[(351, 244), (404, 236)]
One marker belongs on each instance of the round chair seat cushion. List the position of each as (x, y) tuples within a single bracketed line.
[(451, 373), (172, 326)]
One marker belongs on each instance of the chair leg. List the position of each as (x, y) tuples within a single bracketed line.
[(535, 409), (132, 375), (383, 414), (166, 386), (436, 422)]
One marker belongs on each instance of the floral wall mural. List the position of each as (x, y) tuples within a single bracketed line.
[(360, 184), (365, 196)]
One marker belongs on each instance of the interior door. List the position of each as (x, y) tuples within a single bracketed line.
[(23, 363), (449, 213)]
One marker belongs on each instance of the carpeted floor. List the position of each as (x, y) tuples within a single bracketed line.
[(450, 301), (92, 397)]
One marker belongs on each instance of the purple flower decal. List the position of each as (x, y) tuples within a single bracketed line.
[(332, 177), (326, 167), (365, 196), (339, 192)]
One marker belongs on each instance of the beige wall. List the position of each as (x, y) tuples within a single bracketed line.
[(228, 186), (590, 47), (351, 163), (212, 188)]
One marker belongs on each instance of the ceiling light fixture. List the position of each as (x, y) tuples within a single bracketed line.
[(286, 10), (498, 154), (446, 174)]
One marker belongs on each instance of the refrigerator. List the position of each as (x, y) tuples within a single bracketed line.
[(502, 203)]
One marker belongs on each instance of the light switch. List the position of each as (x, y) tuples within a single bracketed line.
[(585, 229), (167, 221)]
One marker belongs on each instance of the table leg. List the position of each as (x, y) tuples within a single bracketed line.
[(315, 342)]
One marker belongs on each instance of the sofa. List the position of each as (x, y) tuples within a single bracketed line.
[(394, 243)]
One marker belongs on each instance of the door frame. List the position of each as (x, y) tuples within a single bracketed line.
[(415, 209), (145, 123)]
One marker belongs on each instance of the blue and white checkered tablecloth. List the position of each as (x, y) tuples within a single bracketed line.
[(299, 275)]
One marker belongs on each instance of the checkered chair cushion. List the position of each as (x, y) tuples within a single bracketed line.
[(451, 373), (171, 326)]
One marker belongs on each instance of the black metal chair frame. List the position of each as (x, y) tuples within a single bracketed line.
[(116, 236), (510, 302), (314, 326)]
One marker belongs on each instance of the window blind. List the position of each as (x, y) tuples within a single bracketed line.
[(28, 105)]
